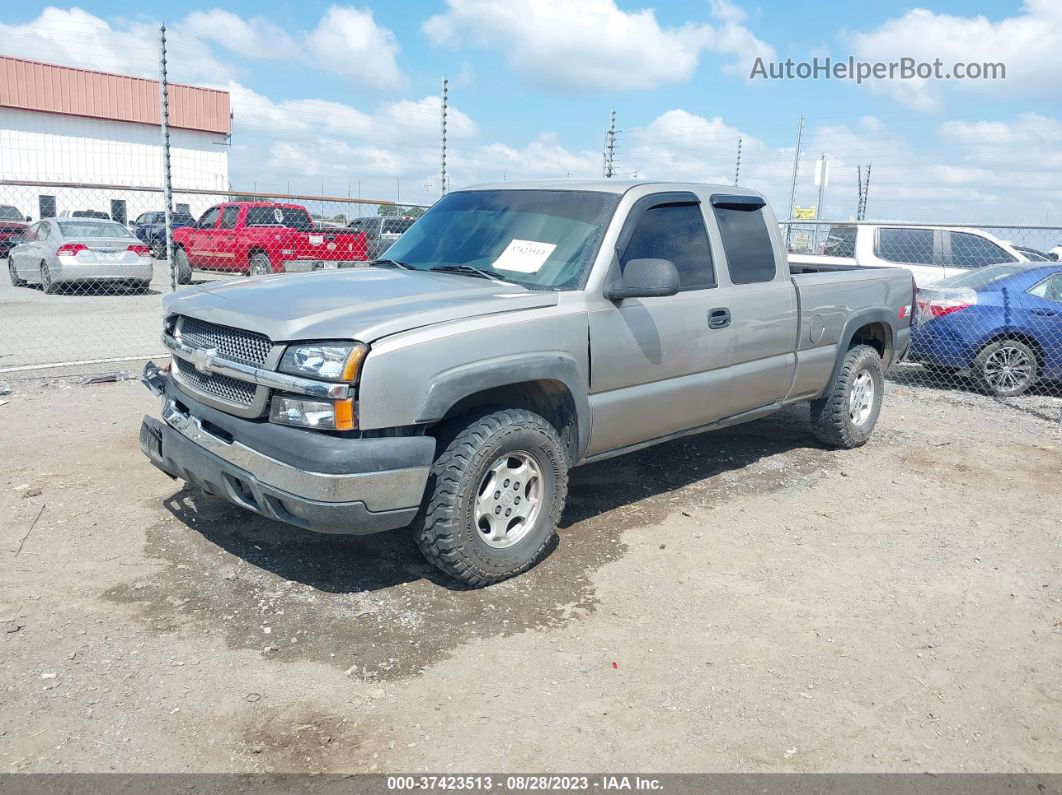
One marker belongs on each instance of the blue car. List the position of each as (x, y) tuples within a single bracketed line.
[(1001, 325)]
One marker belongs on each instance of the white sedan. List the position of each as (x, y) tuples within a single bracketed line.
[(82, 250)]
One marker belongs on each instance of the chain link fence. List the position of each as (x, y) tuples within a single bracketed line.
[(988, 309), (88, 264)]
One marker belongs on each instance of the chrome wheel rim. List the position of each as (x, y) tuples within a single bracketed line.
[(1007, 368), (861, 398), (508, 500), (259, 269)]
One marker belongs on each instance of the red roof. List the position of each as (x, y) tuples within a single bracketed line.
[(30, 85)]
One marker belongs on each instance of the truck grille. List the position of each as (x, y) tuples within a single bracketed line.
[(221, 387), (234, 344)]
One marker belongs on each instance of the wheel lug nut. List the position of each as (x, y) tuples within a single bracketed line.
[(508, 511), (516, 485), (517, 500), (497, 494), (497, 509), (506, 483)]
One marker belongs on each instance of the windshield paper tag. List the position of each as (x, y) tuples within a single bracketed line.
[(524, 256)]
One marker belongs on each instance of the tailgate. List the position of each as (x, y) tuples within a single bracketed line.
[(324, 244)]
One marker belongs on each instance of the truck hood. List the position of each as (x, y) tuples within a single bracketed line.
[(364, 304)]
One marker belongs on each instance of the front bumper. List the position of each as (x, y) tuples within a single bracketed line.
[(368, 485)]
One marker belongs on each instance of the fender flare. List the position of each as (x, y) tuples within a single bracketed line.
[(451, 386), (856, 321)]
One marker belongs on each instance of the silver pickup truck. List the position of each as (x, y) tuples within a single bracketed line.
[(515, 331)]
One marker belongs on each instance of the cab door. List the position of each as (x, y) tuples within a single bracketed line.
[(27, 254), (657, 364), (200, 245), (225, 255)]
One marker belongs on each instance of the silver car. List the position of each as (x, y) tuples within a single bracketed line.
[(58, 250)]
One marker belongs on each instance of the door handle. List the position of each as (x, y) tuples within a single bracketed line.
[(718, 317)]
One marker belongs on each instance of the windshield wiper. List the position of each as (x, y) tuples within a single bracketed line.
[(472, 270), (397, 263)]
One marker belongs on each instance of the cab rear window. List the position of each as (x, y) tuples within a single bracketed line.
[(747, 243)]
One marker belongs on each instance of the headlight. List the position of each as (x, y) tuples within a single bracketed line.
[(325, 415), (329, 361)]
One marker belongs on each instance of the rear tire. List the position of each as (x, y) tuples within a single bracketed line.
[(494, 497), (846, 414), (15, 280), (260, 265), (183, 266), (1006, 368), (47, 285)]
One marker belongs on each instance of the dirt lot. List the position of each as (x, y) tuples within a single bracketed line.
[(741, 601)]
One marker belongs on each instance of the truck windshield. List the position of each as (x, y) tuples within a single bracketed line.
[(542, 239)]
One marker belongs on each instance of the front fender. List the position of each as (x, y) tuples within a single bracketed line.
[(451, 386)]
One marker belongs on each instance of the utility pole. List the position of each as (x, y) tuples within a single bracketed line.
[(796, 167), (610, 146), (820, 177), (398, 191), (864, 189), (737, 167), (167, 184), (442, 161)]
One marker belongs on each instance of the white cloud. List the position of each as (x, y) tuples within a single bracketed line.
[(349, 42), (77, 38), (1026, 43), (593, 44)]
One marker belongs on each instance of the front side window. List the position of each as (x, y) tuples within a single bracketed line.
[(229, 217), (747, 244), (905, 246), (674, 232), (209, 219), (973, 251), (542, 239)]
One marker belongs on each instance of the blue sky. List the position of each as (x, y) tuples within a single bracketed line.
[(334, 93)]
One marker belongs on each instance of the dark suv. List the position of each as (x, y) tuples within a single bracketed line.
[(151, 228), (381, 231)]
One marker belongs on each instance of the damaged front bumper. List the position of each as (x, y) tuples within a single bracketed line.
[(327, 483)]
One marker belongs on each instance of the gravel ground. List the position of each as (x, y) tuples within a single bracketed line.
[(739, 601)]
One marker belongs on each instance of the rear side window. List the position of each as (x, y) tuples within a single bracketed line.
[(971, 251), (911, 246), (747, 243), (1049, 289), (840, 242), (290, 217), (674, 232), (396, 226)]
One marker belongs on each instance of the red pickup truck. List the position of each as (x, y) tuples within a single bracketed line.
[(259, 238)]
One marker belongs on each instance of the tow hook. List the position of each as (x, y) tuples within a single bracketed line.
[(154, 378)]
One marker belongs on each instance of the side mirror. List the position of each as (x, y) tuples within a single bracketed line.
[(645, 278), (28, 218)]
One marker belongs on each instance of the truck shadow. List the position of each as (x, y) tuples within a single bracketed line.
[(373, 605), (604, 499)]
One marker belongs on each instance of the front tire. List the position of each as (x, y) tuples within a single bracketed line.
[(846, 414), (494, 497), (13, 273), (1006, 368)]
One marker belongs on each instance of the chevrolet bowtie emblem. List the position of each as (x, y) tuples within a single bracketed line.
[(203, 359)]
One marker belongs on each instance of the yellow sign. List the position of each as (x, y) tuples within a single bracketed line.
[(804, 213)]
